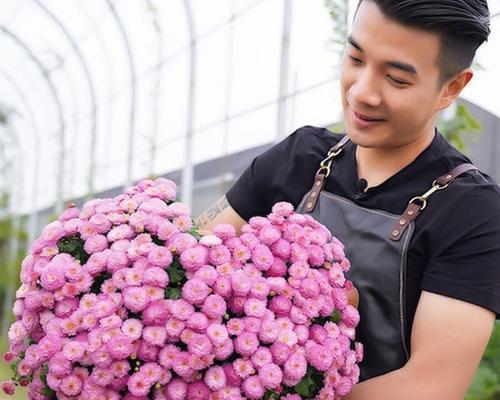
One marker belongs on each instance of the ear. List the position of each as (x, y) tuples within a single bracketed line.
[(453, 87)]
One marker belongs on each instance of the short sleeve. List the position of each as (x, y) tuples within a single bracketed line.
[(466, 265), (282, 173)]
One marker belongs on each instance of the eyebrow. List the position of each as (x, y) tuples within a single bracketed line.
[(396, 64)]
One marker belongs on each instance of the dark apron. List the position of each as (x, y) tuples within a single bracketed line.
[(376, 244)]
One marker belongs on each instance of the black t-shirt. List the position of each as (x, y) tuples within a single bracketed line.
[(455, 249)]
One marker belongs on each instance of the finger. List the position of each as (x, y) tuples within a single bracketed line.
[(353, 297)]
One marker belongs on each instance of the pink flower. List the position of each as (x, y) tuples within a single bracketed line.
[(95, 244), (74, 350), (138, 385), (246, 344), (53, 277), (255, 308), (71, 385), (120, 347), (195, 291), (261, 357), (160, 257), (177, 389), (350, 316), (167, 230), (156, 313), (200, 345), (224, 350), (8, 387), (214, 306), (224, 231), (155, 276), (253, 387), (270, 375), (262, 257), (198, 321), (240, 283), (243, 368), (280, 352), (219, 255), (269, 235), (217, 333), (198, 391), (215, 378), (280, 305), (194, 257), (154, 335), (309, 288), (135, 298), (296, 366)]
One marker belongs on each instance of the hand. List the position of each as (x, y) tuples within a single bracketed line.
[(353, 297)]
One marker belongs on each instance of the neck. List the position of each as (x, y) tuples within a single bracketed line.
[(376, 165)]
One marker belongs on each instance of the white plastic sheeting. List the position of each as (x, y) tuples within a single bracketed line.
[(109, 81)]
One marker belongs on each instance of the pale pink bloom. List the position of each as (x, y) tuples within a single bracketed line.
[(120, 369), (197, 321), (155, 276), (288, 336), (71, 385), (154, 335), (224, 350), (120, 232), (200, 345), (168, 355), (177, 389), (253, 387), (214, 306), (210, 240), (74, 350), (95, 243), (219, 255), (160, 257), (156, 313), (350, 316), (194, 257), (217, 333), (280, 352), (246, 344), (195, 291), (138, 385), (296, 366), (243, 367), (222, 286), (136, 298)]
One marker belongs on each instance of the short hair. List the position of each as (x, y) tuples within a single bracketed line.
[(462, 24)]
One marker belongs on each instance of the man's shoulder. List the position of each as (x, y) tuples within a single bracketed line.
[(311, 135)]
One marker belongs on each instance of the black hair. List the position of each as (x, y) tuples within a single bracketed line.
[(463, 26)]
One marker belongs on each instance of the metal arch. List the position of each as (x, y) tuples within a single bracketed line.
[(90, 88), (188, 170), (156, 93), (131, 143), (53, 91), (33, 219)]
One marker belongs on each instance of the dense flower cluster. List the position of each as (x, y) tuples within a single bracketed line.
[(123, 299)]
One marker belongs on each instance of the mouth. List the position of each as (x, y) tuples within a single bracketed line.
[(367, 117)]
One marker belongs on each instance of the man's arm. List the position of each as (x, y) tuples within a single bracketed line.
[(449, 337), (220, 212)]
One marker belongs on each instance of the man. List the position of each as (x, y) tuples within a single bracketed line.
[(405, 61)]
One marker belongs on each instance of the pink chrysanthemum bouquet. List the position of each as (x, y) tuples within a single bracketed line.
[(124, 300)]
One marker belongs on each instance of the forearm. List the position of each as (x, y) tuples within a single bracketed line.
[(399, 385)]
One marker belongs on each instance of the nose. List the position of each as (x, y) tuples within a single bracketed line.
[(364, 91)]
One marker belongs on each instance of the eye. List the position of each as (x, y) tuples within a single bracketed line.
[(355, 60), (397, 81)]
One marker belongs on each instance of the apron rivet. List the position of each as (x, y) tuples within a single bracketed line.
[(309, 205), (448, 176), (395, 232), (313, 194), (402, 221), (411, 212), (318, 183)]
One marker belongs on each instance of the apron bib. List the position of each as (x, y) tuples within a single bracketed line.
[(376, 244)]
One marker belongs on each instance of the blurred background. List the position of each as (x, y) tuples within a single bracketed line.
[(95, 95)]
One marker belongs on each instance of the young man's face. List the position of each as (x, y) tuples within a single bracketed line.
[(389, 72)]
